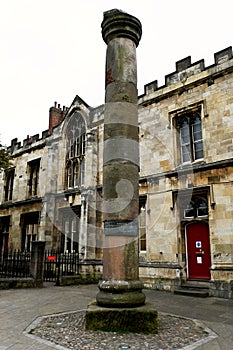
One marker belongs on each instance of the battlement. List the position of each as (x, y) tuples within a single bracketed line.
[(186, 69), (56, 115), (30, 141)]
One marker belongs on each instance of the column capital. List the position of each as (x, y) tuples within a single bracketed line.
[(119, 24)]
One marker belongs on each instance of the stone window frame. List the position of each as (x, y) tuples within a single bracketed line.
[(197, 204), (9, 184), (75, 151), (29, 223), (33, 168), (142, 224), (70, 229), (4, 235), (176, 117), (182, 198)]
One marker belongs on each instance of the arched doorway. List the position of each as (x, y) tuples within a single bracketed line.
[(198, 250)]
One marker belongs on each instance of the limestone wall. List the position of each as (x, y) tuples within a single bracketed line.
[(162, 175), (161, 169)]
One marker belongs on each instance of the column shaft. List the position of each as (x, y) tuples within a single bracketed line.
[(122, 33)]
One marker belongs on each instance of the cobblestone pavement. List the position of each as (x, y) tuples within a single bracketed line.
[(20, 311), (68, 330)]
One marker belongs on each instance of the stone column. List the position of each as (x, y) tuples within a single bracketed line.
[(120, 302), (120, 285)]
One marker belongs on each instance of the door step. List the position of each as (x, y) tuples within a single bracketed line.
[(194, 288)]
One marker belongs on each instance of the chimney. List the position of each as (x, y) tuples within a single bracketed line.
[(56, 115)]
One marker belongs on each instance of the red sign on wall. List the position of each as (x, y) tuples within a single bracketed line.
[(51, 258)]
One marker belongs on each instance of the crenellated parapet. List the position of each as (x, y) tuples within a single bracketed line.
[(30, 142), (187, 71), (56, 116), (184, 70)]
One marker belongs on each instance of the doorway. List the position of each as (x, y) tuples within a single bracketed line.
[(198, 251)]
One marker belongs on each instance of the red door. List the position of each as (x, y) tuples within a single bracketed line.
[(198, 251)]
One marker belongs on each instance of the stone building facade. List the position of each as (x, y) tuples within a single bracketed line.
[(53, 191)]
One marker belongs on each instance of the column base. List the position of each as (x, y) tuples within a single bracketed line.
[(119, 293), (124, 299), (142, 319)]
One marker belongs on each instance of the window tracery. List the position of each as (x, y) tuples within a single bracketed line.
[(76, 148)]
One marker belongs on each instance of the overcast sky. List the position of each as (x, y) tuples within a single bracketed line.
[(52, 50)]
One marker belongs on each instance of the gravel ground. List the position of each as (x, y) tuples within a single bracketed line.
[(69, 331)]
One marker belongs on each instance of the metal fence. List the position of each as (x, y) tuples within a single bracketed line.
[(15, 264), (60, 264)]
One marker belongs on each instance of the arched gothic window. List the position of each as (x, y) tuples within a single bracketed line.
[(196, 208), (75, 155)]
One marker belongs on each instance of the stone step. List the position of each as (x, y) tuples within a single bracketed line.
[(191, 291), (196, 284)]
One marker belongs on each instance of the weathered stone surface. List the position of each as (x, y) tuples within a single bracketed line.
[(164, 252), (118, 300), (115, 130), (118, 24), (120, 112), (121, 92), (120, 167), (120, 252), (143, 319), (120, 191), (121, 148)]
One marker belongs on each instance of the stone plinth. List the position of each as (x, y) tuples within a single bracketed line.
[(142, 319)]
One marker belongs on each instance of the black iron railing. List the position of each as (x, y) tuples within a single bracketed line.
[(15, 264), (60, 264)]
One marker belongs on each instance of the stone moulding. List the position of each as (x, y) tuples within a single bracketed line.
[(115, 21)]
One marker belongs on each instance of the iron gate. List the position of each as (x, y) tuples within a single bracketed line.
[(58, 264)]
